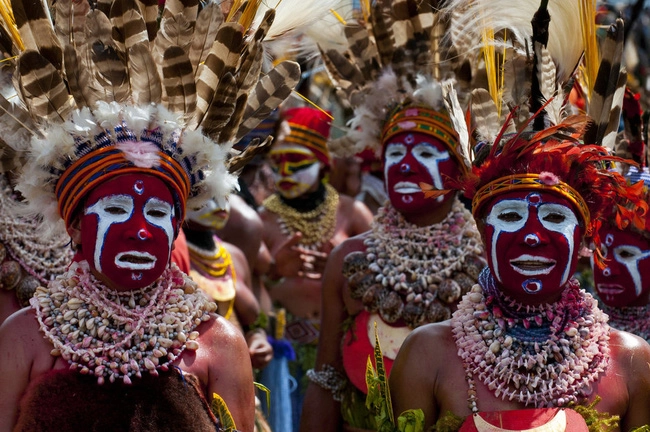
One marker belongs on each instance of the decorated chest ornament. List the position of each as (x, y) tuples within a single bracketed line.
[(414, 274), (523, 156), (26, 259), (154, 97)]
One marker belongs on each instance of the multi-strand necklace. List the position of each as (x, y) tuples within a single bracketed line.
[(317, 226), (23, 241), (543, 356), (635, 320), (118, 335), (415, 273)]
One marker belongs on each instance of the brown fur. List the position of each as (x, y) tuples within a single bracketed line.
[(64, 401)]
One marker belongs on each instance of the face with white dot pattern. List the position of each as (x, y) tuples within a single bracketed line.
[(127, 230), (625, 279), (531, 241), (411, 158)]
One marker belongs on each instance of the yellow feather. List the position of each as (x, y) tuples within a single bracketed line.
[(7, 16), (592, 57)]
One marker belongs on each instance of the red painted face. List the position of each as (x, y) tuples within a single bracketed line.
[(127, 230), (625, 280), (295, 169), (532, 240), (411, 158)]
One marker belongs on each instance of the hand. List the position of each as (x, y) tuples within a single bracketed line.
[(291, 260), (259, 348)]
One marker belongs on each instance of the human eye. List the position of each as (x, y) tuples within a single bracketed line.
[(510, 216), (626, 252), (554, 218), (426, 151), (157, 209), (115, 210), (395, 151)]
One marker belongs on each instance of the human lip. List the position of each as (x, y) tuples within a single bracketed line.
[(406, 188), (609, 289), (135, 260), (286, 184), (530, 265)]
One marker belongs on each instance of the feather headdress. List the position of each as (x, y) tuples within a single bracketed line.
[(128, 85), (392, 62), (533, 144)]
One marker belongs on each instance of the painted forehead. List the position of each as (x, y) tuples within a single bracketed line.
[(291, 149), (410, 139), (532, 197), (135, 185)]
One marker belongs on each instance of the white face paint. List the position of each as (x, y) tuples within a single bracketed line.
[(425, 154), (301, 181), (109, 210), (531, 238), (631, 256), (211, 215), (159, 213)]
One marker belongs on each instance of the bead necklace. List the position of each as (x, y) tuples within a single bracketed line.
[(215, 263), (415, 273), (317, 226), (23, 241), (118, 335), (544, 356), (635, 320)]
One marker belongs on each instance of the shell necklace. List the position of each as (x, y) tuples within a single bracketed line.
[(544, 356), (115, 335), (317, 226), (635, 320), (417, 272)]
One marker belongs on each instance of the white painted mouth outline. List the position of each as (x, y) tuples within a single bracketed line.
[(406, 188), (532, 260), (121, 263), (610, 289)]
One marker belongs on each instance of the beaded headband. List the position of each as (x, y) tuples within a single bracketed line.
[(422, 119), (530, 181)]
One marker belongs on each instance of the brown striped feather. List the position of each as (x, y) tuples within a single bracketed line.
[(255, 147), (364, 50), (174, 31), (229, 131), (347, 75), (146, 87), (129, 27), (269, 93), (221, 108), (189, 8), (149, 12), (205, 33), (42, 88), (179, 89), (70, 20), (72, 75), (104, 6), (251, 66), (222, 59), (110, 72), (98, 28), (382, 31), (36, 30)]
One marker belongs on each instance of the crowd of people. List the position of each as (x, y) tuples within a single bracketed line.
[(388, 216)]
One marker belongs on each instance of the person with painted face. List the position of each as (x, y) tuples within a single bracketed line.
[(622, 280), (303, 221), (113, 155), (221, 270), (420, 255), (527, 345)]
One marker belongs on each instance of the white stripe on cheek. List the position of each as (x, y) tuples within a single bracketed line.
[(506, 206), (105, 220), (164, 222)]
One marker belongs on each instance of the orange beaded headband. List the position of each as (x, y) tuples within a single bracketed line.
[(530, 181), (105, 163), (425, 120)]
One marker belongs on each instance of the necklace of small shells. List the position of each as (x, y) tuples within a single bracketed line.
[(632, 319), (414, 260), (24, 241), (544, 356), (115, 335)]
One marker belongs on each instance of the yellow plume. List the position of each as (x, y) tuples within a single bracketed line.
[(591, 61), (9, 22)]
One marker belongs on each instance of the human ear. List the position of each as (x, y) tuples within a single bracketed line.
[(74, 230)]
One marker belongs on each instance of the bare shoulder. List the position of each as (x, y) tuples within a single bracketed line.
[(349, 245), (631, 353)]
